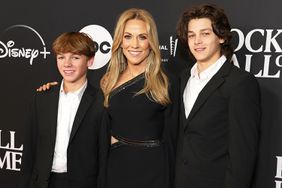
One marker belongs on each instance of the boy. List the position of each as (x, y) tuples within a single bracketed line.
[(220, 112), (62, 149)]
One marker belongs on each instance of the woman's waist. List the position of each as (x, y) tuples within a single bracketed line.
[(146, 141)]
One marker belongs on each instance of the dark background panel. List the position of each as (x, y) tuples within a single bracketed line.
[(50, 18)]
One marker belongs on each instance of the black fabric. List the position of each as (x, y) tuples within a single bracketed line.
[(137, 117), (218, 141), (58, 180)]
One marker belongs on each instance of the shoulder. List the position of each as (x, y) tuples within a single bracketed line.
[(91, 89), (240, 74), (96, 94), (44, 99), (53, 91), (240, 80)]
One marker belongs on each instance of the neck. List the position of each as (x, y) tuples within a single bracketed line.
[(203, 65), (135, 71), (73, 86)]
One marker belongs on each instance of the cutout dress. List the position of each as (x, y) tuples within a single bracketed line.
[(144, 156)]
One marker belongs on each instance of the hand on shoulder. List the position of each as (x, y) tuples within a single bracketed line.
[(47, 86)]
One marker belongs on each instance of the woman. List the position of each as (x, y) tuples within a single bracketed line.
[(142, 107)]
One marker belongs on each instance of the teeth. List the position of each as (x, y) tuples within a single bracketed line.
[(134, 53), (68, 71)]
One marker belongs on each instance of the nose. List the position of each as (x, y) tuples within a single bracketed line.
[(134, 42), (67, 62), (198, 39)]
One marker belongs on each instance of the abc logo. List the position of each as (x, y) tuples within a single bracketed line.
[(103, 43)]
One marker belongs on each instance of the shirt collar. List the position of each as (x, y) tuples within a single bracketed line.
[(77, 93), (210, 71)]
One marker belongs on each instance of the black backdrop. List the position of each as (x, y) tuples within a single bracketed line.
[(28, 28)]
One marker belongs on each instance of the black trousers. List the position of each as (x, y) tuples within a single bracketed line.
[(58, 180)]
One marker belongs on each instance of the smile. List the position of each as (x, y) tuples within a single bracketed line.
[(199, 49), (68, 71), (134, 53)]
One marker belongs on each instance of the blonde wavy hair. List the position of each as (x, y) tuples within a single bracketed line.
[(156, 82)]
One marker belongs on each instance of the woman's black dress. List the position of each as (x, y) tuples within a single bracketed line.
[(146, 130)]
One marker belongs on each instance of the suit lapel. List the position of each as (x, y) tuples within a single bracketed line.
[(85, 103), (211, 86), (183, 82)]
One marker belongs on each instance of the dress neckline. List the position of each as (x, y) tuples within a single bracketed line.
[(127, 84)]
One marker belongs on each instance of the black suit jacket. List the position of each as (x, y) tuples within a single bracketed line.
[(84, 145), (218, 141)]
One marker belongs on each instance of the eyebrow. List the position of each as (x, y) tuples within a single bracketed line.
[(138, 34), (205, 29)]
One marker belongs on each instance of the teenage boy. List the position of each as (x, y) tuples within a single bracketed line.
[(62, 150), (220, 110)]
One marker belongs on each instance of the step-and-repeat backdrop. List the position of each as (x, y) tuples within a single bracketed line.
[(28, 28)]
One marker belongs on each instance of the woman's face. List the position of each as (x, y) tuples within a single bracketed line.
[(135, 43)]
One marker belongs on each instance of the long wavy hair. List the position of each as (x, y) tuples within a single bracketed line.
[(156, 82)]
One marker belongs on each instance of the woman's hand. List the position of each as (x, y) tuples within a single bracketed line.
[(47, 86)]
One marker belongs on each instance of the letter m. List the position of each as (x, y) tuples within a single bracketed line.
[(6, 160)]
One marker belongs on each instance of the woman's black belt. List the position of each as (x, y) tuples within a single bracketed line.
[(141, 143)]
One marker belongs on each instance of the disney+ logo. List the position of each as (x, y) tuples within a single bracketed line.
[(18, 49)]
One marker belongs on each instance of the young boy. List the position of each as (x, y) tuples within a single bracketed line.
[(62, 149)]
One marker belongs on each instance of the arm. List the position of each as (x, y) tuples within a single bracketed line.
[(244, 122)]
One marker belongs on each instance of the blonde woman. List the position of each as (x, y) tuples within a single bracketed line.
[(141, 103)]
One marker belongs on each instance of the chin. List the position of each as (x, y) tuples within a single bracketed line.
[(69, 80)]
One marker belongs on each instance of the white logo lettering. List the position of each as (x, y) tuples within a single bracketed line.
[(9, 49), (264, 40), (12, 157)]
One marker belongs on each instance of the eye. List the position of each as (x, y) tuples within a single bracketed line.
[(143, 37), (205, 33), (60, 57), (191, 36), (127, 37), (76, 57)]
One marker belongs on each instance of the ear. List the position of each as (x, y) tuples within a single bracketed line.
[(90, 62), (221, 41)]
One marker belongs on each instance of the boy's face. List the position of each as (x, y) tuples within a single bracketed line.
[(73, 67), (203, 43)]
